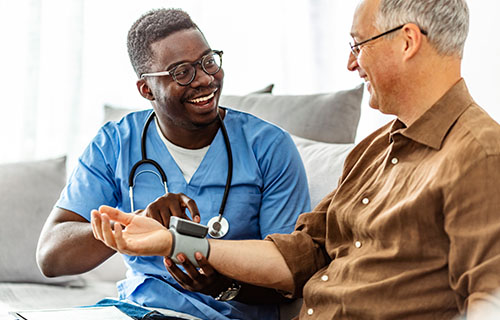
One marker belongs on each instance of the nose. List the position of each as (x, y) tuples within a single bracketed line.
[(352, 62), (202, 78)]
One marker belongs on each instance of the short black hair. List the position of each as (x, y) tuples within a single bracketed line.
[(151, 27)]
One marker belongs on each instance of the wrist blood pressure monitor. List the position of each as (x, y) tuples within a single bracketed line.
[(188, 237)]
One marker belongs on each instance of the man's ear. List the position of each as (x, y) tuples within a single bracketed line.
[(144, 89), (413, 38)]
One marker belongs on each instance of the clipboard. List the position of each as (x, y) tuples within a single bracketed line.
[(101, 313)]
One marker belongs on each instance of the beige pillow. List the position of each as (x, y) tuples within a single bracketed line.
[(328, 117), (323, 163), (28, 192)]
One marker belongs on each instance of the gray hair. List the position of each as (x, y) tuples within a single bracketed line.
[(445, 21)]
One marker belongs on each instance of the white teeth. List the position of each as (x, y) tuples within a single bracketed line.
[(203, 99)]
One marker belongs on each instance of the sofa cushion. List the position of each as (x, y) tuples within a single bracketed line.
[(28, 191), (323, 163), (328, 117)]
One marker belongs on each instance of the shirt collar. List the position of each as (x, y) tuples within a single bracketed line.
[(431, 128)]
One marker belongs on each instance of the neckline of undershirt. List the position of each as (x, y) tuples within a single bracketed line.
[(188, 160)]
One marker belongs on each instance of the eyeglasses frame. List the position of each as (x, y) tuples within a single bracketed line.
[(357, 45), (193, 64)]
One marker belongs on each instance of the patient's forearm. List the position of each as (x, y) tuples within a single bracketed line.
[(257, 262)]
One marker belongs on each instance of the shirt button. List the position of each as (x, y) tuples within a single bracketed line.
[(365, 201), (357, 244), (394, 160), (310, 311), (324, 277)]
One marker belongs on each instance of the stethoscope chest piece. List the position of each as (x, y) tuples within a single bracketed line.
[(218, 227)]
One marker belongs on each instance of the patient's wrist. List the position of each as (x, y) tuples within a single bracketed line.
[(188, 245)]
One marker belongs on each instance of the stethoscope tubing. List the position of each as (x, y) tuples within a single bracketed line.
[(145, 160), (229, 167)]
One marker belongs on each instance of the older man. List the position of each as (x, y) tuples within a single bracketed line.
[(412, 230)]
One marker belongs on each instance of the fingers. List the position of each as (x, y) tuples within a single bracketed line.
[(205, 280), (172, 204), (116, 215), (192, 207), (107, 232), (118, 237), (184, 280), (102, 230), (205, 266), (163, 208), (191, 270), (95, 222)]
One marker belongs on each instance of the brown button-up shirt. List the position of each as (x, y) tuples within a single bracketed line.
[(413, 229)]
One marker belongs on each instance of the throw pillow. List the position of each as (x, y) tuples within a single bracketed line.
[(323, 163), (329, 117), (267, 89), (28, 191)]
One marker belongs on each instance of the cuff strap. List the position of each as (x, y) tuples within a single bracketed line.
[(188, 245)]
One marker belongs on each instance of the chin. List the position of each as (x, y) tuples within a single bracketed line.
[(373, 102), (374, 106), (207, 120)]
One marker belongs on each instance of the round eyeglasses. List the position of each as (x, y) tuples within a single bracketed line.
[(185, 73)]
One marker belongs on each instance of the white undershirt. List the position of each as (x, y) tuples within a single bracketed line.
[(188, 160)]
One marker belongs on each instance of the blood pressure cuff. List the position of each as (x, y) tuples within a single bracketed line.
[(188, 245)]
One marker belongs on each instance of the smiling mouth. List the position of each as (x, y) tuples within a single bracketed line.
[(202, 100)]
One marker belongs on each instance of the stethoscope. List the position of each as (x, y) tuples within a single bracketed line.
[(217, 226)]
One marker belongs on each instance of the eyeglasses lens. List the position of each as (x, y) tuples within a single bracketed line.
[(211, 63), (354, 49), (185, 73)]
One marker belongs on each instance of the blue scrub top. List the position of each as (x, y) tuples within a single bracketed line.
[(268, 192)]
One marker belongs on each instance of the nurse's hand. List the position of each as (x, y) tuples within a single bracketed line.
[(131, 234), (208, 281), (205, 280), (171, 204)]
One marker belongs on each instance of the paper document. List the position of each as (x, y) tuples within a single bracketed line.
[(101, 313)]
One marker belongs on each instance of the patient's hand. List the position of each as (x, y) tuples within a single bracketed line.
[(206, 280), (171, 204), (131, 234)]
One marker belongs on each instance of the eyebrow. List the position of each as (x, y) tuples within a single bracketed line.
[(175, 64)]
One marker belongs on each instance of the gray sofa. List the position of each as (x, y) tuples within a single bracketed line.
[(323, 127)]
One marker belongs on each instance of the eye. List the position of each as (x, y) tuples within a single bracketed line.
[(183, 71), (210, 61)]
